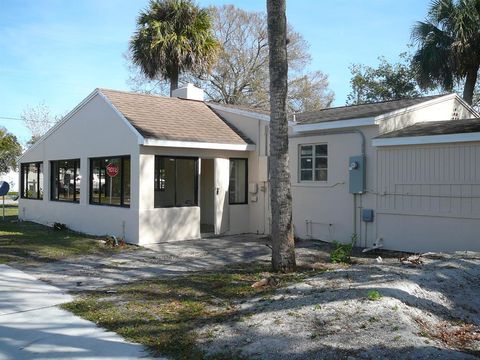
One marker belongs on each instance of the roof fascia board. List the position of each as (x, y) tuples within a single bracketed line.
[(415, 107), (198, 145), (60, 123), (427, 139), (472, 111), (140, 138), (337, 124), (246, 113)]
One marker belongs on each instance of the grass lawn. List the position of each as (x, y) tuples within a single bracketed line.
[(162, 314), (21, 241)]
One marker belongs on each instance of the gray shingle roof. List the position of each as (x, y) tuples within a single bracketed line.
[(166, 118), (358, 111), (435, 128)]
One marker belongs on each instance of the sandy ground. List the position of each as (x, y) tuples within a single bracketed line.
[(428, 311)]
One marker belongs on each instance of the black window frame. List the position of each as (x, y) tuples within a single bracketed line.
[(53, 179), (22, 182), (246, 182), (314, 156), (196, 160), (122, 180)]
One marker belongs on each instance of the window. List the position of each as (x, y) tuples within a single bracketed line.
[(176, 180), (32, 180), (313, 161), (237, 190), (110, 181), (65, 180)]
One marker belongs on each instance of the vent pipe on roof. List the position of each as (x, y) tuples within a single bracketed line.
[(189, 91)]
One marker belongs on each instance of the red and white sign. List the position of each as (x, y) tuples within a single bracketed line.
[(112, 170)]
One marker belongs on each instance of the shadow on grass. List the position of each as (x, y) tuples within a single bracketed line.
[(25, 240)]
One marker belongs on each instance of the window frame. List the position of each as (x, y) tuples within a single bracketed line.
[(196, 159), (53, 178), (246, 182), (22, 182), (313, 157), (122, 180)]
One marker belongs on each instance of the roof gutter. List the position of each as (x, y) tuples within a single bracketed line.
[(330, 125), (198, 145), (427, 139)]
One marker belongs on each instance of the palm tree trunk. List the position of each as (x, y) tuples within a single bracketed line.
[(283, 246), (174, 80), (469, 86)]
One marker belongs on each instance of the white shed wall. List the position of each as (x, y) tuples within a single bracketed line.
[(429, 197)]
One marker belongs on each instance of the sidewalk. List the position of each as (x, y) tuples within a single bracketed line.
[(32, 326)]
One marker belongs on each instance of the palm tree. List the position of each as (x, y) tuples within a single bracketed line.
[(173, 36), (283, 246), (449, 46)]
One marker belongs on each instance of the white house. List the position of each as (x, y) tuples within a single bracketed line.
[(403, 174), (151, 169), (148, 169)]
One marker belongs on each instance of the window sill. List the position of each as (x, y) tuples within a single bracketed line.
[(175, 207), (26, 198), (66, 201), (111, 205)]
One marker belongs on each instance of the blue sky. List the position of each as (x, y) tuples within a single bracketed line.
[(58, 51)]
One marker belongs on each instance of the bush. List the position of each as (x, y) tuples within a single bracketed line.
[(341, 252)]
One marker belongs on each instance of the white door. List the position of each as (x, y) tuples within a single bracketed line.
[(222, 173)]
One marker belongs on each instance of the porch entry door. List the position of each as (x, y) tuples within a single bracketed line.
[(221, 209)]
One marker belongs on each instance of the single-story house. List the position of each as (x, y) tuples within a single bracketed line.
[(402, 174)]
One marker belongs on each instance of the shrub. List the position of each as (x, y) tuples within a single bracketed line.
[(341, 252)]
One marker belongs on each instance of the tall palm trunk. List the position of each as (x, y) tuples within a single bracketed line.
[(469, 87), (174, 80), (283, 246)]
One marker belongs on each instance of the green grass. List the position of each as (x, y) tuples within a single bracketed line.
[(24, 241), (163, 314), (374, 295)]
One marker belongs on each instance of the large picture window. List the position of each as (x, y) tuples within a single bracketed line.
[(237, 190), (176, 181), (110, 181), (31, 186), (313, 160), (65, 180)]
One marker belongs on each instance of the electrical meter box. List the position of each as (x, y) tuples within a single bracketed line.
[(356, 171), (367, 215)]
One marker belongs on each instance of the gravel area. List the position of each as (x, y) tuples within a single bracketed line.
[(426, 311)]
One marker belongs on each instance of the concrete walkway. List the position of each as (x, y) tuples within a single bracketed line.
[(32, 326), (167, 259)]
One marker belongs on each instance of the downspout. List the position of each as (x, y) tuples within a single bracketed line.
[(363, 151)]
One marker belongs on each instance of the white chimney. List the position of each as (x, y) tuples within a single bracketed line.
[(189, 91)]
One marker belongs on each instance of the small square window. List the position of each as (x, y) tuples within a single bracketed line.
[(313, 162)]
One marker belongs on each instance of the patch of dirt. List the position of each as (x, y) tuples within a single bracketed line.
[(429, 308)]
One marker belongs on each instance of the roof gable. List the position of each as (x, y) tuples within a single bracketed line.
[(429, 128), (174, 119), (358, 111)]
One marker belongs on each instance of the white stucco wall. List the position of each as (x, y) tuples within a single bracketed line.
[(182, 223), (95, 130), (258, 215), (329, 205)]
